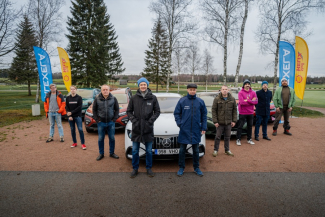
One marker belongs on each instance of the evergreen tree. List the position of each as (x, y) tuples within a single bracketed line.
[(94, 51), (156, 59), (24, 67)]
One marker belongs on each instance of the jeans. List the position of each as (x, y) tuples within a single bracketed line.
[(102, 129), (249, 120), (55, 117), (78, 121), (261, 119), (278, 116), (226, 129), (135, 155), (181, 159)]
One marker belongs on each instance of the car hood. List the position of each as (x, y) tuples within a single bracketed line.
[(164, 125)]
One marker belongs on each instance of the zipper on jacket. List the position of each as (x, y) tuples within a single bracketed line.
[(191, 119)]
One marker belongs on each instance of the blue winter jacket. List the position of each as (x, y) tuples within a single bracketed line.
[(191, 117), (263, 105)]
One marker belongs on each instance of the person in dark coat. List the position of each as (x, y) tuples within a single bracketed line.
[(73, 107), (143, 110), (224, 117), (105, 113), (191, 117), (264, 97)]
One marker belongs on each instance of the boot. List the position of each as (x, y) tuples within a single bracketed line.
[(287, 132), (274, 132)]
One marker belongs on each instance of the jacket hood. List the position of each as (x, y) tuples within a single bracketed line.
[(250, 89), (229, 96)]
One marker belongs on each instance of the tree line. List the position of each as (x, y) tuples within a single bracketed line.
[(173, 50)]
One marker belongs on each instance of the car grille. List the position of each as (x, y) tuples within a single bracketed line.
[(165, 142)]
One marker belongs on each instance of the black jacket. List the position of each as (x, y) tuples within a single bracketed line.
[(74, 105), (143, 112), (263, 105), (105, 110)]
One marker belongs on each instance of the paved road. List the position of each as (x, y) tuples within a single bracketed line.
[(115, 194)]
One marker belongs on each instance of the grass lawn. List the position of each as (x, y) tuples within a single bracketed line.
[(312, 98)]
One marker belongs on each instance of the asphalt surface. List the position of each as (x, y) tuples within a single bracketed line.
[(115, 194)]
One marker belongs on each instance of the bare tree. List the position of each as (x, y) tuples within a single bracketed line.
[(221, 18), (282, 20), (9, 18), (207, 66), (176, 18), (193, 59), (241, 43), (47, 20), (178, 61)]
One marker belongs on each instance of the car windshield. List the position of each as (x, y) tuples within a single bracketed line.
[(208, 100), (234, 94), (167, 104), (84, 93), (121, 98)]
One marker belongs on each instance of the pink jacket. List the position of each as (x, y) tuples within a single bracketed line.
[(246, 107)]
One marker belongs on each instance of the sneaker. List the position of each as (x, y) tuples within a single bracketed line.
[(134, 174), (238, 142), (215, 153), (198, 172), (50, 139), (180, 172), (83, 146), (287, 132), (250, 142), (274, 132), (74, 145), (150, 173), (229, 153), (61, 139)]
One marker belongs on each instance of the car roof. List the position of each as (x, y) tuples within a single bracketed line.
[(167, 95), (208, 93)]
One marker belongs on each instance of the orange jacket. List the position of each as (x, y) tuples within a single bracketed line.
[(60, 101)]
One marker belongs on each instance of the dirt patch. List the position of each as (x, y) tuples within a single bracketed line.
[(24, 149)]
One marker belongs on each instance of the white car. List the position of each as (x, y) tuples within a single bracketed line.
[(165, 145)]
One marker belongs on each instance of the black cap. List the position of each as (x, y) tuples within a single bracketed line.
[(191, 86), (246, 81)]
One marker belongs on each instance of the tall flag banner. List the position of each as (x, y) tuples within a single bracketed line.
[(44, 70), (302, 57), (65, 67), (287, 63)]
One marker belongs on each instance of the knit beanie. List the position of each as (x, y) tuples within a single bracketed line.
[(246, 81), (265, 82), (143, 80)]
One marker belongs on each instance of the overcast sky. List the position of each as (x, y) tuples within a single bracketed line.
[(133, 22)]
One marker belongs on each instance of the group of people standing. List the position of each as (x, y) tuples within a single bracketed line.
[(190, 116), (224, 112)]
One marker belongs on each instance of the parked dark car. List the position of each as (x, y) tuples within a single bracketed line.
[(88, 95), (208, 98), (123, 97)]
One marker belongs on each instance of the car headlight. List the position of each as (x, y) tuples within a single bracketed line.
[(122, 114), (129, 132)]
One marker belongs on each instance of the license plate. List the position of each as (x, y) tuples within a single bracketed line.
[(233, 132), (166, 151)]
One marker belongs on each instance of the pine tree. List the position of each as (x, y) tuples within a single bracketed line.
[(94, 51), (156, 59), (23, 67)]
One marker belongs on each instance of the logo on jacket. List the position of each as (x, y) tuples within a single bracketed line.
[(186, 107), (166, 142)]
